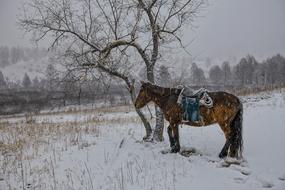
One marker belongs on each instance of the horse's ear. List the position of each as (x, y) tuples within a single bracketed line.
[(142, 82), (178, 90)]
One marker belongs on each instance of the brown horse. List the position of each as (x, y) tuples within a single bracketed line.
[(227, 111)]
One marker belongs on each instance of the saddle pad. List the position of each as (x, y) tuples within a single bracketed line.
[(190, 108), (201, 95)]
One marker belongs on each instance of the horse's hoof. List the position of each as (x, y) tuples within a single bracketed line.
[(222, 155), (175, 150), (147, 139), (165, 151)]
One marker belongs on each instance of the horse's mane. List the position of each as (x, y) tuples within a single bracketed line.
[(162, 90)]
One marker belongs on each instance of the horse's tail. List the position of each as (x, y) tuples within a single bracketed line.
[(236, 139)]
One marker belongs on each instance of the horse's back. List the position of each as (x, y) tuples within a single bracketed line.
[(225, 106), (224, 98)]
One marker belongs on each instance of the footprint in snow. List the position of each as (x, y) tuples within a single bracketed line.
[(186, 152), (243, 170), (239, 180), (1, 177), (265, 183), (282, 177), (235, 164)]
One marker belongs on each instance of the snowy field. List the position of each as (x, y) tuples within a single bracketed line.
[(102, 149)]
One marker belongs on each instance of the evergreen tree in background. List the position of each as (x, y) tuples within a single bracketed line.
[(4, 56), (197, 76), (52, 77), (26, 81), (227, 74), (216, 75), (36, 83), (2, 81)]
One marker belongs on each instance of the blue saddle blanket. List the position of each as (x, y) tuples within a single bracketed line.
[(190, 108)]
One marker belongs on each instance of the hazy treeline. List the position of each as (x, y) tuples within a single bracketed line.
[(56, 89), (69, 88), (12, 55), (247, 74)]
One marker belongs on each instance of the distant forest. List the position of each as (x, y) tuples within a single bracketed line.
[(13, 55), (61, 89), (247, 73)]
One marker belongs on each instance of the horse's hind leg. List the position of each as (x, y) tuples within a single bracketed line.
[(236, 141), (224, 151), (226, 130)]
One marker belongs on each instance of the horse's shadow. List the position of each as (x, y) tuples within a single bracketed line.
[(185, 151)]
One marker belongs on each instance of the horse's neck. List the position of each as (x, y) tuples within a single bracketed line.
[(160, 98)]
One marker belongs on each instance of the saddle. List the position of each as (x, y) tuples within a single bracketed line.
[(190, 100)]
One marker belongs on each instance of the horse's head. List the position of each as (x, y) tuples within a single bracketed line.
[(143, 97)]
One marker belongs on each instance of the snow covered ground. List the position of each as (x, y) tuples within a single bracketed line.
[(102, 149)]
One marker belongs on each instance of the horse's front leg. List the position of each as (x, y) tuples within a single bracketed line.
[(170, 135), (176, 147)]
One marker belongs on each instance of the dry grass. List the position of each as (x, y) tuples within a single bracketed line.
[(24, 139), (251, 91), (21, 142), (19, 137), (84, 110)]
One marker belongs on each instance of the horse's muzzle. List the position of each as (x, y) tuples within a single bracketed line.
[(137, 105)]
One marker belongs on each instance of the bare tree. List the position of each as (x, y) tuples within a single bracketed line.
[(3, 83), (164, 77), (110, 35), (244, 70)]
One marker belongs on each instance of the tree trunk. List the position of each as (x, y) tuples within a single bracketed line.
[(159, 125), (158, 131)]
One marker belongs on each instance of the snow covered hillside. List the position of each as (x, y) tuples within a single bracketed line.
[(102, 149), (16, 72)]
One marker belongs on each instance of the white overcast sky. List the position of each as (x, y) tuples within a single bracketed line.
[(227, 28)]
